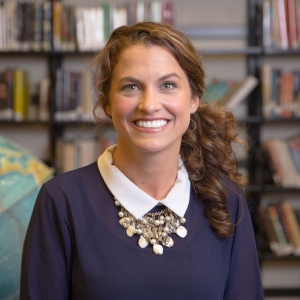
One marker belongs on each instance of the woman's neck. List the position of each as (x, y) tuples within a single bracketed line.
[(155, 174)]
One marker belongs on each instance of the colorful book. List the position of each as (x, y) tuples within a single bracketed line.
[(20, 95)]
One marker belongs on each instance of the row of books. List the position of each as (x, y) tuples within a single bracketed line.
[(229, 93), (75, 96), (15, 101), (281, 24), (25, 26), (40, 25), (94, 24), (280, 92), (283, 158), (81, 151), (281, 225)]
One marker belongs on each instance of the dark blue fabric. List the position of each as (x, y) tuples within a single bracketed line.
[(76, 249)]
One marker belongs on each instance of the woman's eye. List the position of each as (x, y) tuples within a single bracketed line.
[(168, 85), (131, 87)]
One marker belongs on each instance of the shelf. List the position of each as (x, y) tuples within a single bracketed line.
[(214, 31), (279, 292), (251, 120), (279, 189), (23, 53), (280, 52), (231, 51), (272, 257), (281, 120), (24, 123), (254, 188), (76, 52)]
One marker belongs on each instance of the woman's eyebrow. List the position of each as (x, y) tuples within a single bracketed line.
[(162, 78)]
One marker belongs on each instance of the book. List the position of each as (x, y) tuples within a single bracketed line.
[(57, 7), (216, 90), (286, 95), (293, 145), (43, 103), (106, 20), (275, 84), (88, 151), (168, 13), (118, 15), (275, 26), (296, 92), (267, 106), (68, 155), (285, 247), (59, 95), (275, 162), (6, 95), (292, 225), (268, 228), (20, 95), (292, 23), (47, 25), (282, 21), (267, 21), (280, 156), (242, 92), (37, 23), (286, 229)]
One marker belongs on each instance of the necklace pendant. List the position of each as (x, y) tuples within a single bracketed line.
[(168, 242), (130, 230), (158, 249), (143, 242), (181, 231)]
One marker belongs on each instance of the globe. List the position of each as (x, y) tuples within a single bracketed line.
[(21, 176)]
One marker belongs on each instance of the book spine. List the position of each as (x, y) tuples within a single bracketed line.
[(269, 230), (292, 24), (37, 27), (44, 94), (292, 224), (47, 26), (277, 226), (57, 12), (282, 24), (266, 90), (274, 162), (294, 149), (267, 34), (21, 96), (245, 89), (286, 94), (168, 13)]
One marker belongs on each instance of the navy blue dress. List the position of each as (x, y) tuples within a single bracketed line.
[(76, 249)]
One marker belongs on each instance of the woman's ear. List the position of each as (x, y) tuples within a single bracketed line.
[(108, 110), (194, 104)]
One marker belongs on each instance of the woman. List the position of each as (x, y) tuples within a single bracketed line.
[(162, 213)]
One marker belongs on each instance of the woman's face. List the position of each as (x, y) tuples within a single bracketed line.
[(150, 100)]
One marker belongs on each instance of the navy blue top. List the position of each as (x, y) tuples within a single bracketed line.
[(76, 249)]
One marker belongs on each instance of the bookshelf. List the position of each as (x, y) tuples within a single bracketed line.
[(272, 126), (246, 56)]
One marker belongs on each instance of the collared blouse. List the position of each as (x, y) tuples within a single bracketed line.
[(75, 248)]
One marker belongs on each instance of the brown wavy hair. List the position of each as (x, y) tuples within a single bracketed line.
[(206, 147)]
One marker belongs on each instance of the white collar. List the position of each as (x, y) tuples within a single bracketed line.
[(136, 201)]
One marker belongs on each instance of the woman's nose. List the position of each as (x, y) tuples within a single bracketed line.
[(149, 101)]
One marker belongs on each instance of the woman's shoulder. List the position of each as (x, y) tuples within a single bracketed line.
[(236, 199), (82, 177)]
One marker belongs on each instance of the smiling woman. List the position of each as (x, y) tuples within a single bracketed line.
[(163, 211), (150, 105)]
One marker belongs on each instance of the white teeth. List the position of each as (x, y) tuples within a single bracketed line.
[(151, 124)]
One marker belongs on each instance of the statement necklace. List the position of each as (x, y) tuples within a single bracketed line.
[(153, 228)]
